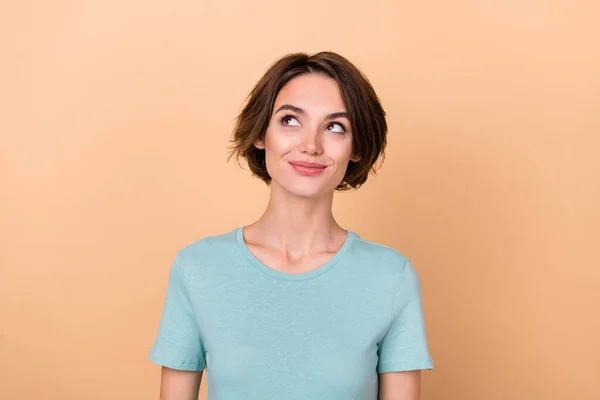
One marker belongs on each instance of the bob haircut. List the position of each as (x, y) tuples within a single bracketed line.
[(367, 117)]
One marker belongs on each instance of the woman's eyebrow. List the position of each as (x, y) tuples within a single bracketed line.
[(291, 108), (338, 115), (341, 114)]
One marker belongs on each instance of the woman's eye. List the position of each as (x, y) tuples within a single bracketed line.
[(335, 127), (289, 120)]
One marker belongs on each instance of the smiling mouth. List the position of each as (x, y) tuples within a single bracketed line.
[(307, 169)]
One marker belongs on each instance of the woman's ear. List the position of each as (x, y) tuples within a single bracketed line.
[(355, 158), (260, 145)]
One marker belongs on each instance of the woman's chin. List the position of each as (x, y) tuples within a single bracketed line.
[(312, 190)]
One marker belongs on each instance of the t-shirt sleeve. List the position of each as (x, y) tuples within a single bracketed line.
[(178, 343), (404, 346)]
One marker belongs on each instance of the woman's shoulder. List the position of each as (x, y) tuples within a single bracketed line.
[(209, 246), (379, 253)]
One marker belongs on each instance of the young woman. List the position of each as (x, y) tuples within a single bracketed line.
[(293, 306)]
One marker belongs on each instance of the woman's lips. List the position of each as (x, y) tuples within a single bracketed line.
[(306, 168)]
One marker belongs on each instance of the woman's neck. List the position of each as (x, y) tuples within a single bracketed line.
[(298, 224)]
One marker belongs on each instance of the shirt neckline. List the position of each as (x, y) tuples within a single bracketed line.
[(239, 233)]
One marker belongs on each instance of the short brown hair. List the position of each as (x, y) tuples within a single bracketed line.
[(367, 117)]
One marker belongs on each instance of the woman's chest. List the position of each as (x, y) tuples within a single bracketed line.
[(327, 340)]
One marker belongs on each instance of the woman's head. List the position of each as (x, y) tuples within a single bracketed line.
[(317, 109)]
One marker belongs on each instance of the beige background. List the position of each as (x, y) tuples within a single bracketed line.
[(115, 117)]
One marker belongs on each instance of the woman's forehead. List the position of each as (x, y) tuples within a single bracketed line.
[(313, 93)]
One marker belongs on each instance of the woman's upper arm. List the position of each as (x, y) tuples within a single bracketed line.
[(178, 347), (179, 385), (405, 385)]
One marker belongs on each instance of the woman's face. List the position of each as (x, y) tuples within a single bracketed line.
[(308, 142)]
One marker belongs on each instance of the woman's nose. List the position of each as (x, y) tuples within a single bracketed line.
[(311, 142)]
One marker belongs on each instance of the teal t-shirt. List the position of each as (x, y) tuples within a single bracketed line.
[(264, 334)]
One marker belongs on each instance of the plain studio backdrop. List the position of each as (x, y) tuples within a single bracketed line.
[(115, 118)]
